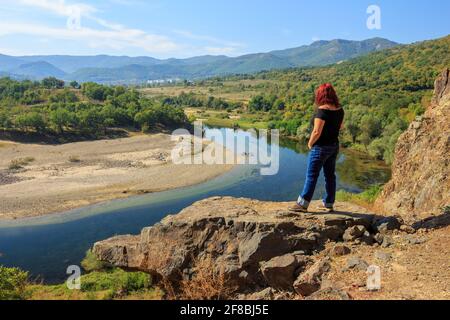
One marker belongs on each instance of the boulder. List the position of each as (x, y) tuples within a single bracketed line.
[(367, 238), (358, 263), (353, 233), (388, 241), (386, 224), (383, 256), (339, 250), (260, 246), (281, 272), (311, 280), (414, 240), (264, 295), (379, 238), (407, 229), (330, 294)]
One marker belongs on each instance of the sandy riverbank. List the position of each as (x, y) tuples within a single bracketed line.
[(64, 177)]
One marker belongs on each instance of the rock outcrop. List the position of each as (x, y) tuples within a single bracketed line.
[(255, 244), (420, 185)]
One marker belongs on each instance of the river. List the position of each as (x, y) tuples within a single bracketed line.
[(46, 246)]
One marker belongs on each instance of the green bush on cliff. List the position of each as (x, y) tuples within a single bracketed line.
[(104, 285), (117, 281), (103, 277), (90, 263), (369, 196), (13, 284)]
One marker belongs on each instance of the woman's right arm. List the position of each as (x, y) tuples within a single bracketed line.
[(319, 124)]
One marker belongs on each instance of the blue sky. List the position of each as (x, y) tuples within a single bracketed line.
[(184, 28)]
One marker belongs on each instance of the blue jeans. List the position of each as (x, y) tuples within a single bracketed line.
[(321, 157)]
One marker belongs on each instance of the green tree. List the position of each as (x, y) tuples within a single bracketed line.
[(146, 119), (108, 123), (52, 83), (60, 118), (13, 284), (66, 96), (30, 120), (75, 85), (370, 129), (90, 119), (279, 105), (3, 119), (32, 96), (96, 91)]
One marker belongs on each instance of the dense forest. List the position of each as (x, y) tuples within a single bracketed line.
[(52, 107), (381, 93)]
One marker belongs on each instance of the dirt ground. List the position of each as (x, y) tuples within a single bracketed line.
[(42, 179), (408, 271)]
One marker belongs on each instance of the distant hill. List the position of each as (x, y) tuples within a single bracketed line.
[(39, 70), (114, 69), (328, 52), (8, 63), (70, 64)]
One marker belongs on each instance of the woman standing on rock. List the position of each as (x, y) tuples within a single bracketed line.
[(324, 146)]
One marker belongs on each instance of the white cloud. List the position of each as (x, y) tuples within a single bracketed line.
[(105, 34), (118, 39), (60, 7), (11, 52)]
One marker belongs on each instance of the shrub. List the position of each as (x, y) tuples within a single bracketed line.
[(74, 159), (90, 263), (15, 165), (367, 197), (13, 284), (18, 164), (28, 160), (209, 282), (117, 281)]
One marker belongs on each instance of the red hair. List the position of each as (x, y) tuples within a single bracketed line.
[(326, 94)]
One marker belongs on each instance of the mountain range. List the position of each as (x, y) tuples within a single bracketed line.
[(123, 69)]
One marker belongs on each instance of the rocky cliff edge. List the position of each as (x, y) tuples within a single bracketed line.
[(420, 184), (256, 245)]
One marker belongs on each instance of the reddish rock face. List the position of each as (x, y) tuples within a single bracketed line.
[(420, 185)]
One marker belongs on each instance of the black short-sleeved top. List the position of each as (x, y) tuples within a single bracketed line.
[(333, 123)]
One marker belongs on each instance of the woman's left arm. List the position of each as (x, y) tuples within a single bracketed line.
[(317, 132)]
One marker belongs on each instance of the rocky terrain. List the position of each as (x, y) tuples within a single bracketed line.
[(420, 186), (265, 252), (255, 244)]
